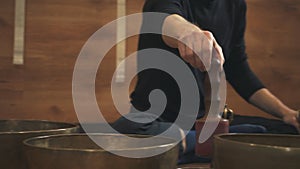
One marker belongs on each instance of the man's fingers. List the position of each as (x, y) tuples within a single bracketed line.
[(187, 54), (219, 57), (199, 63), (206, 49), (296, 125), (199, 57), (199, 48), (181, 48), (292, 120), (219, 52), (297, 121)]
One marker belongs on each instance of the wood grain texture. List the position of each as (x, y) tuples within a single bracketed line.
[(56, 31), (11, 77), (273, 40)]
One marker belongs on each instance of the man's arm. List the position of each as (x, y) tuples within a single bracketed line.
[(245, 82), (267, 102), (195, 45)]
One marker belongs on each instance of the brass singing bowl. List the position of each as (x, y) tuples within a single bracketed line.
[(78, 151), (13, 132), (251, 151)]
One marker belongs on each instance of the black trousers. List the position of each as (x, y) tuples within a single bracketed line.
[(273, 126)]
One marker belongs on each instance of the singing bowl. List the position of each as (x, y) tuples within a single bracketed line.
[(13, 132), (78, 151), (251, 151)]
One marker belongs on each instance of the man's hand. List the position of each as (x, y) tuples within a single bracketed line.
[(195, 45), (292, 117)]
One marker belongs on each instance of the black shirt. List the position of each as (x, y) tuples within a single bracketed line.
[(226, 19)]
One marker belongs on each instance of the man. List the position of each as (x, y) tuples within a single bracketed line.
[(200, 26)]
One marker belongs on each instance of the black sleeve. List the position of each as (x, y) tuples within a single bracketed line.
[(164, 6), (155, 23), (238, 72)]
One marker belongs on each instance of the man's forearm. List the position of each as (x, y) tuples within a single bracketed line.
[(175, 25), (266, 101)]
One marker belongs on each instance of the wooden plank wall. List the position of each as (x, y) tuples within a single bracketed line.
[(273, 40), (56, 30)]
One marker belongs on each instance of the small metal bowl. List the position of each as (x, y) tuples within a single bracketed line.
[(248, 151), (13, 132), (78, 151)]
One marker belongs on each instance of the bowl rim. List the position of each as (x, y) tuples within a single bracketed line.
[(70, 127), (26, 142), (219, 137)]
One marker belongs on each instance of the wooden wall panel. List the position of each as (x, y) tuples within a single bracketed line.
[(6, 29), (273, 40), (55, 32), (11, 77)]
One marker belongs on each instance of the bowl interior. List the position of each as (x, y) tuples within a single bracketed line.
[(264, 140), (112, 142), (15, 126)]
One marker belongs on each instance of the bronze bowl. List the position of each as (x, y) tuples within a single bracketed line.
[(78, 151), (13, 132), (256, 151)]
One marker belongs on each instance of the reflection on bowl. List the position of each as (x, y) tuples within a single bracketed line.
[(251, 151), (13, 132), (78, 151)]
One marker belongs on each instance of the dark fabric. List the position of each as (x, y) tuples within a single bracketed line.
[(273, 126), (247, 128), (226, 20), (239, 125), (127, 125)]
